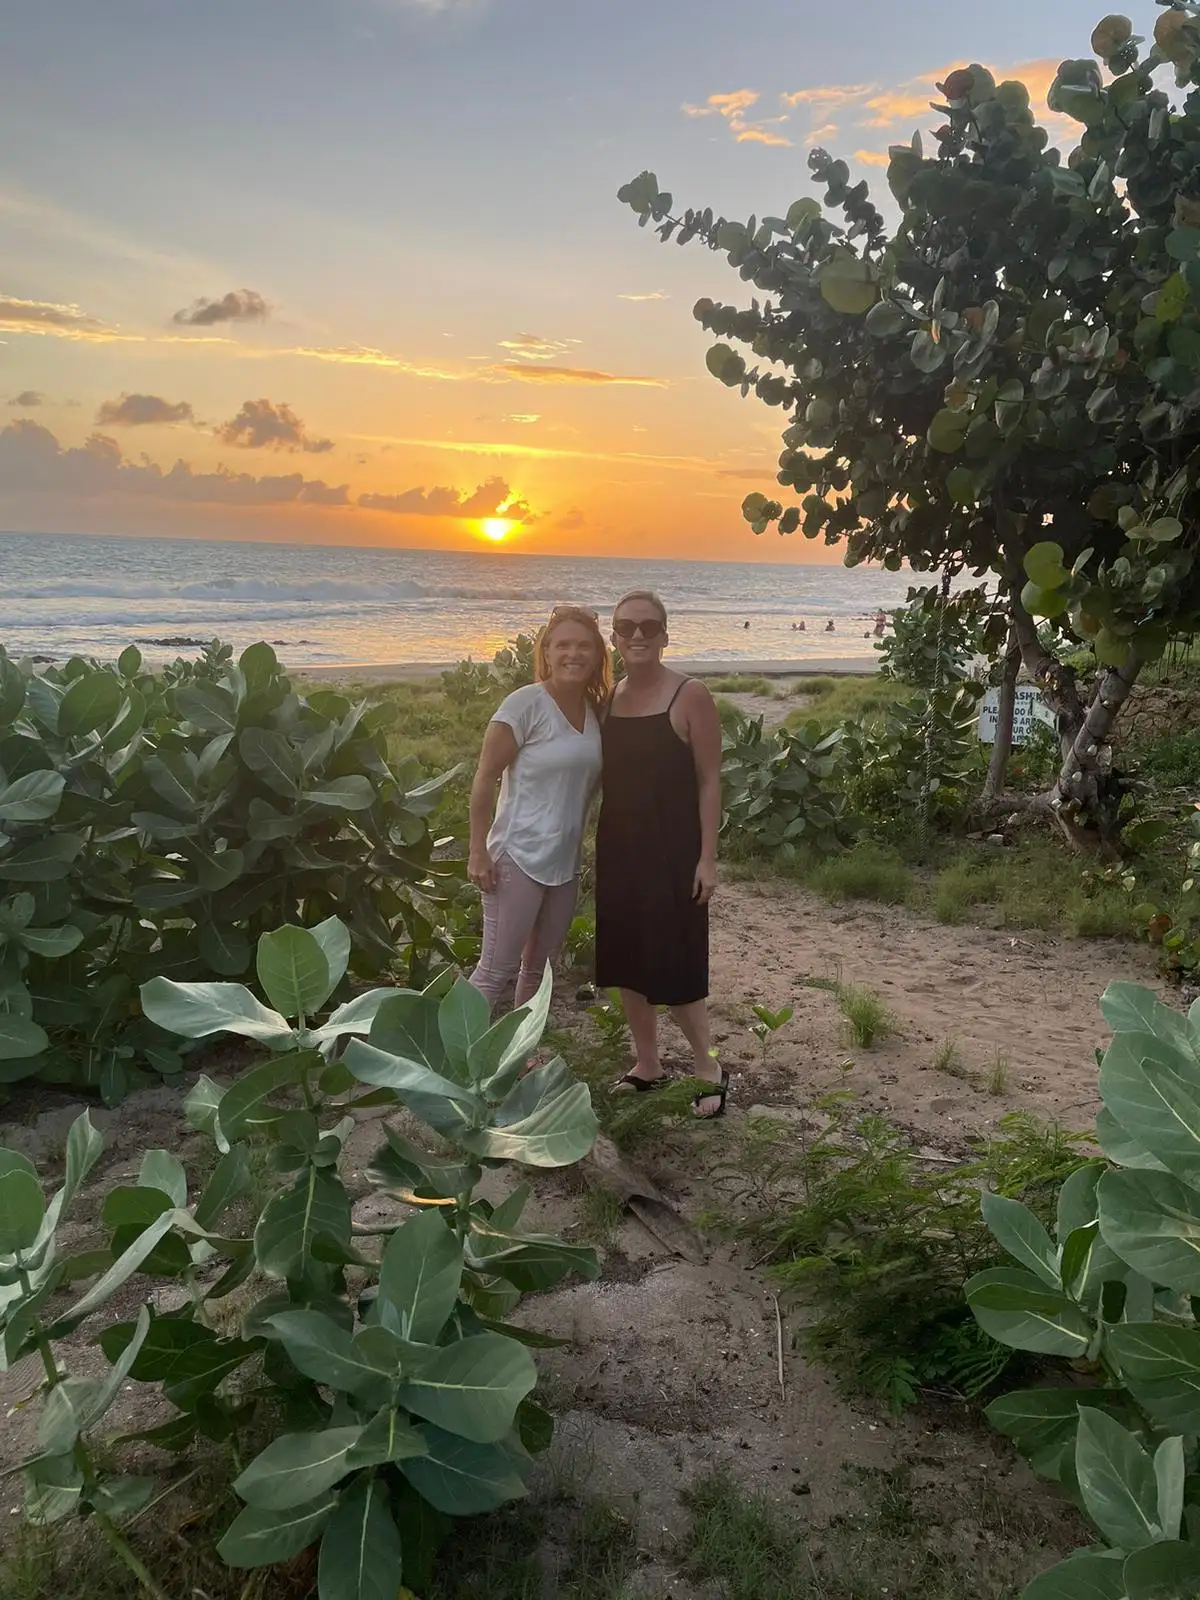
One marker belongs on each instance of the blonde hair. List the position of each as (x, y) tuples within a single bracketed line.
[(599, 685), (651, 599)]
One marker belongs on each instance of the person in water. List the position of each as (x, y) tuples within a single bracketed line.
[(656, 849)]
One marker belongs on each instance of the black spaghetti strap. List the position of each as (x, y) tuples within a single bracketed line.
[(682, 685)]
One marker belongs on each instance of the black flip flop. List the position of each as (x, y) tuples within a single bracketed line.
[(716, 1091), (642, 1085)]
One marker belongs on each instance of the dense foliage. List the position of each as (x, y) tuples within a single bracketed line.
[(1115, 1291), (877, 1243), (1009, 381), (781, 791), (156, 823), (378, 1355), (932, 642)]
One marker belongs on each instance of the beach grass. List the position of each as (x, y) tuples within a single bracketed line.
[(830, 700)]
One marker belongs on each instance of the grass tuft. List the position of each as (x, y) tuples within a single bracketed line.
[(947, 1058), (867, 1018), (868, 871)]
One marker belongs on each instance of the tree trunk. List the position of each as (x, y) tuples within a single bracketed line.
[(1084, 799), (1002, 749)]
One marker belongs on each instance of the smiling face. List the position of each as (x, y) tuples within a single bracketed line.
[(643, 620), (572, 653)]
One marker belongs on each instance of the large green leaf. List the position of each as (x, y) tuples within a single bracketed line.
[(245, 1107), (225, 950), (207, 706), (463, 1478), (1152, 1221), (317, 1207), (406, 1025), (355, 1016), (20, 1037), (46, 860), (369, 1064), (509, 1048), (1037, 1420), (1161, 1365), (361, 1558), (1132, 1008), (419, 1275), (230, 1179), (531, 1262), (561, 1130), (1088, 1576), (296, 1468), (32, 798), (389, 1436), (1019, 1310), (1152, 1088), (334, 938), (258, 1538), (1119, 1147), (354, 792), (126, 1264), (91, 702), (293, 971), (472, 1387), (325, 1352), (463, 1017), (1117, 1482), (1018, 1231), (1169, 1570), (196, 1010), (84, 1148), (271, 758), (21, 1210)]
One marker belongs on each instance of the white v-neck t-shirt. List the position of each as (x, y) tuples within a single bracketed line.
[(546, 790)]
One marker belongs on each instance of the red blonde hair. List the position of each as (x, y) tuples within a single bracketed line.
[(599, 685)]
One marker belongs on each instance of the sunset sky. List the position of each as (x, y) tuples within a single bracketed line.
[(353, 271)]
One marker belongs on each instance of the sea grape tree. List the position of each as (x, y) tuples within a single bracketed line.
[(1006, 380)]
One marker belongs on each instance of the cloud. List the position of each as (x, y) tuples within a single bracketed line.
[(551, 374), (755, 474), (522, 417), (872, 158), (32, 460), (239, 305), (821, 135), (363, 356), (141, 410), (828, 97), (656, 294), (569, 522), (531, 347), (261, 425), (64, 322), (489, 499), (895, 105), (732, 107), (28, 397)]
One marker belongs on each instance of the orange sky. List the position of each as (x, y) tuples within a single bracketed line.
[(449, 316)]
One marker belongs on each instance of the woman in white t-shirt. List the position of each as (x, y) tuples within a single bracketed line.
[(543, 748)]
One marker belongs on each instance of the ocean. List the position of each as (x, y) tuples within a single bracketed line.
[(332, 605)]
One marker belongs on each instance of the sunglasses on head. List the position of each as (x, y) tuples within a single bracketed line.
[(568, 609), (626, 628)]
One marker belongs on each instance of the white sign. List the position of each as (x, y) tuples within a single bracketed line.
[(1028, 710)]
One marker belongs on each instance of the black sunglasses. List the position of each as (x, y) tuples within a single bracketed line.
[(627, 629)]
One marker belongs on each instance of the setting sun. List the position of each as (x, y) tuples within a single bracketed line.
[(495, 528)]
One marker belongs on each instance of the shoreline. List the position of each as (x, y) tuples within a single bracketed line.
[(409, 671)]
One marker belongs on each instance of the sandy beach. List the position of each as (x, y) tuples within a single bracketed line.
[(406, 671)]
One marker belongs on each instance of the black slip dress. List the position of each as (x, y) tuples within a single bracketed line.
[(651, 935)]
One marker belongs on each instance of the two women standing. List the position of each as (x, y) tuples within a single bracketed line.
[(657, 739)]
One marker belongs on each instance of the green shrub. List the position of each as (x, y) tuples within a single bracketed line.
[(1115, 1292), (781, 793), (922, 760), (399, 1394), (877, 1243), (932, 643), (157, 823)]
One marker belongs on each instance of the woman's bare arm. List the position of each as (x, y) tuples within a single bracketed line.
[(704, 736), (499, 752)]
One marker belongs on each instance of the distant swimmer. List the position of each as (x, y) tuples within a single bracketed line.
[(829, 628), (745, 624), (880, 624), (800, 626)]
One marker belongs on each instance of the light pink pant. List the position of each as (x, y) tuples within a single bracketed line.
[(524, 925)]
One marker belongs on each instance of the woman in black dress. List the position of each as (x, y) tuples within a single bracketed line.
[(656, 848)]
